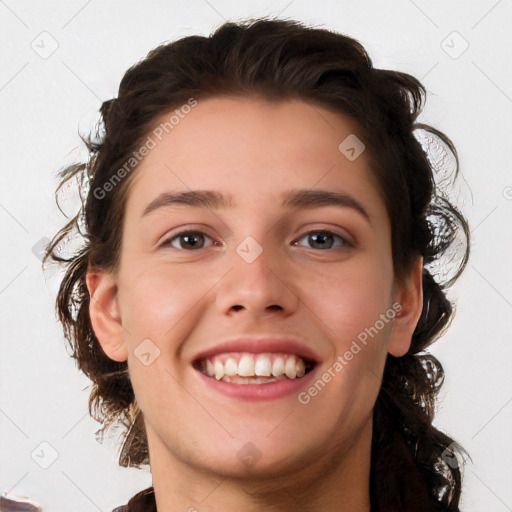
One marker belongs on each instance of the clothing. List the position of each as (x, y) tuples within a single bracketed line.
[(144, 501)]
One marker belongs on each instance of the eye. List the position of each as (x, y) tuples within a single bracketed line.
[(188, 240), (324, 239), (194, 240)]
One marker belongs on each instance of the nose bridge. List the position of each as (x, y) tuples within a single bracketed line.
[(257, 281)]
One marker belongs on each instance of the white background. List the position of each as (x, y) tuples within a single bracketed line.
[(44, 398)]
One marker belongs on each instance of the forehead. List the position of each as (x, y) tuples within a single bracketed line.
[(252, 147)]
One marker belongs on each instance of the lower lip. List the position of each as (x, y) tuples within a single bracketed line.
[(271, 391)]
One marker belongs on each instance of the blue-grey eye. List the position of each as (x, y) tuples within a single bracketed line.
[(324, 240)]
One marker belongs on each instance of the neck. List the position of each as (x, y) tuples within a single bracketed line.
[(337, 481)]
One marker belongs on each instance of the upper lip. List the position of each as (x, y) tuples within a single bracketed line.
[(260, 345)]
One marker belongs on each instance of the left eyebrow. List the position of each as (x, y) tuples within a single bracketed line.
[(292, 199), (307, 198)]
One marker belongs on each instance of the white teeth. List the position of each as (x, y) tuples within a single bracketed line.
[(260, 368), (263, 366), (246, 366), (289, 367), (278, 367), (219, 369), (209, 368), (230, 367)]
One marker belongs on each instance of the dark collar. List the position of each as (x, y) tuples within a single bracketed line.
[(144, 501)]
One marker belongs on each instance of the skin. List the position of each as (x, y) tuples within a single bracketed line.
[(316, 456)]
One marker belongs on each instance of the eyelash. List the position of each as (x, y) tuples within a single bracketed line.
[(344, 242)]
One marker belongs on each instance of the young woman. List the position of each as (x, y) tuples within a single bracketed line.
[(255, 290)]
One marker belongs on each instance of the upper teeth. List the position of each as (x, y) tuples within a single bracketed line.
[(249, 365)]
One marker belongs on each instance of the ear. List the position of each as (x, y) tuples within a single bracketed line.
[(104, 313), (409, 294)]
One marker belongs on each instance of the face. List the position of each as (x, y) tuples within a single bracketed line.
[(290, 272)]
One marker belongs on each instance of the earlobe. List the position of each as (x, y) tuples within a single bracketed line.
[(410, 297), (104, 313)]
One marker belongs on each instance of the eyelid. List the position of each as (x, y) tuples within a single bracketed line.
[(169, 237)]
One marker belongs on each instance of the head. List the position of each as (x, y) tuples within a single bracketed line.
[(330, 224)]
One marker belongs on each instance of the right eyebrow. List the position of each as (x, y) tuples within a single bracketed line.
[(196, 198)]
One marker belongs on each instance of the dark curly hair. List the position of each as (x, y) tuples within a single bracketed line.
[(414, 466)]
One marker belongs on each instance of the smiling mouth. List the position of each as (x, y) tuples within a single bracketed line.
[(250, 368)]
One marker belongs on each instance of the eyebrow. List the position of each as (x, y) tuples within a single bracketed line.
[(292, 199)]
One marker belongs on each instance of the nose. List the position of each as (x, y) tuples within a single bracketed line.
[(260, 286)]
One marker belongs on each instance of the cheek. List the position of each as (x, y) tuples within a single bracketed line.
[(155, 300), (159, 305), (351, 298), (354, 305)]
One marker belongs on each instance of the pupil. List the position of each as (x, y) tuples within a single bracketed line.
[(190, 240), (320, 239)]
